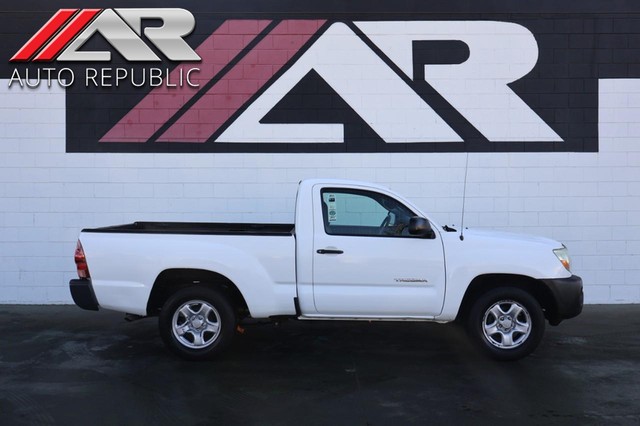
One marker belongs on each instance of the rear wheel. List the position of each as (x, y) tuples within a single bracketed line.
[(507, 323), (197, 323)]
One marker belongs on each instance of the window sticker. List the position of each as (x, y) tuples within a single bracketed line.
[(333, 212)]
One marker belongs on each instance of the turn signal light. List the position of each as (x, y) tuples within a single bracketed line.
[(563, 256), (81, 262)]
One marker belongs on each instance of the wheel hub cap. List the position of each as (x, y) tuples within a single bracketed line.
[(505, 323), (197, 322)]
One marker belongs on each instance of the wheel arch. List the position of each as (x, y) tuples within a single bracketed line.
[(486, 282), (171, 280)]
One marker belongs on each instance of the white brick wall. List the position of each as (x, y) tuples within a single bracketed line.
[(590, 201)]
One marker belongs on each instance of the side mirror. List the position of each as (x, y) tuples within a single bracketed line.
[(421, 227)]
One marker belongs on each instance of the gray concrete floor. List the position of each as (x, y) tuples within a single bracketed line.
[(61, 365)]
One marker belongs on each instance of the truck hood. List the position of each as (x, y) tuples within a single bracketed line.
[(491, 236)]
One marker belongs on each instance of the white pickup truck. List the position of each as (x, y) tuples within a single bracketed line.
[(357, 251)]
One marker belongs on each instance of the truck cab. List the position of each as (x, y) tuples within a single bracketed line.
[(358, 259)]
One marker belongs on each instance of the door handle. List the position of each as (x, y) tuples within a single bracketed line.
[(329, 251)]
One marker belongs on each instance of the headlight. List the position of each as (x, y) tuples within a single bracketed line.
[(563, 256)]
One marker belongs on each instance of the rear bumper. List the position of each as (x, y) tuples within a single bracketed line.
[(83, 295), (568, 296)]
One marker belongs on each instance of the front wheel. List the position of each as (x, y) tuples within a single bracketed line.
[(507, 323), (197, 323)]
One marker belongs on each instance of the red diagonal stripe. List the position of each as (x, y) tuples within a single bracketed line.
[(162, 103), (43, 35), (243, 81), (66, 35)]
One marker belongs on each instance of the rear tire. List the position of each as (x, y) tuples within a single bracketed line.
[(507, 323), (197, 323)]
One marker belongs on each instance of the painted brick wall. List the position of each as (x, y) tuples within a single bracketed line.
[(590, 201)]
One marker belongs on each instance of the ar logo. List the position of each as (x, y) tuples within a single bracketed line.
[(499, 53), (69, 29), (369, 65)]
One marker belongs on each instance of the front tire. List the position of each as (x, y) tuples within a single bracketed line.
[(197, 323), (506, 323)]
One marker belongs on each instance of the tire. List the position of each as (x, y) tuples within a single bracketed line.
[(507, 323), (197, 323)]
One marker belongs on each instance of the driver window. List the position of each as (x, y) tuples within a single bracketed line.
[(363, 213)]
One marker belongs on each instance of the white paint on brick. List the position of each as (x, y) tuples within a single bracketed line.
[(590, 201)]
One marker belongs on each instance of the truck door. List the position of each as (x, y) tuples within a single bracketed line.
[(365, 262)]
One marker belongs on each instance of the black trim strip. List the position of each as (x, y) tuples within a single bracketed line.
[(198, 228)]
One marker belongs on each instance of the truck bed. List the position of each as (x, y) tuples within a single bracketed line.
[(203, 228)]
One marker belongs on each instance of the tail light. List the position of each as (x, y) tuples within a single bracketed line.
[(81, 262)]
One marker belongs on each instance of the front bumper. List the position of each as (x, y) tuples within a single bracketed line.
[(83, 295), (568, 296)]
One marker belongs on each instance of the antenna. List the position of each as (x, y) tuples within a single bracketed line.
[(464, 196)]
